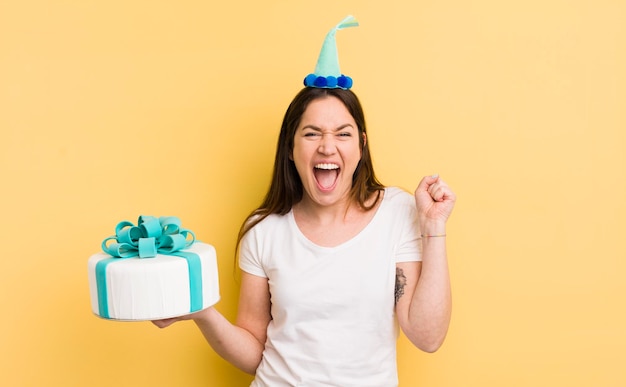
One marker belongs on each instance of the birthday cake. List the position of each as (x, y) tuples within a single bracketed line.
[(152, 271)]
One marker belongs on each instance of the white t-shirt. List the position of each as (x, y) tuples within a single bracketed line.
[(333, 316)]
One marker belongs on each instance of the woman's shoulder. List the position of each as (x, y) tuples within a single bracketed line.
[(398, 196), (270, 221)]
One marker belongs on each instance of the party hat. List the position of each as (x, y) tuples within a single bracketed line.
[(327, 73)]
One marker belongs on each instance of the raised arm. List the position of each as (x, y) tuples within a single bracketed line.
[(423, 295), (241, 343)]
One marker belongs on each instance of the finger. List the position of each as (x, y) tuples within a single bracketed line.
[(433, 188), (164, 323), (439, 194), (444, 193), (426, 182), (437, 189)]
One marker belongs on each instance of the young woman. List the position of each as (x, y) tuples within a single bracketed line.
[(332, 261)]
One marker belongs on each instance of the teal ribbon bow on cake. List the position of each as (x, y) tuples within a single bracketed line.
[(151, 236)]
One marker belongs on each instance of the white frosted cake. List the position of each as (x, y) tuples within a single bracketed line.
[(154, 288)]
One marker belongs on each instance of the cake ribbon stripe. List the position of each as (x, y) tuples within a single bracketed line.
[(195, 278), (151, 236)]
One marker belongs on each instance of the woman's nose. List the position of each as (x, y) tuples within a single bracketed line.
[(327, 144)]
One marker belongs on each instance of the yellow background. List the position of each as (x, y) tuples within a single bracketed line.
[(112, 109)]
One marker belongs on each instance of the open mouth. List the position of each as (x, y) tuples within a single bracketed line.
[(326, 175)]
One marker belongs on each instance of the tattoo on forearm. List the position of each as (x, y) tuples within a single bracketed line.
[(400, 283)]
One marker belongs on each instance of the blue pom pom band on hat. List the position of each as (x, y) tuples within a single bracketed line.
[(343, 82), (327, 73)]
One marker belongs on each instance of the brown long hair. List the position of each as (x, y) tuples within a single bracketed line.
[(286, 187)]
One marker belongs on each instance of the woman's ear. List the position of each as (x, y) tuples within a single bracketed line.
[(364, 139)]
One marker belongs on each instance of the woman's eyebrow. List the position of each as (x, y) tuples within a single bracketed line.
[(313, 127)]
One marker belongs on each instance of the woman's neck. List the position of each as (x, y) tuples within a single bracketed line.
[(335, 224), (338, 212)]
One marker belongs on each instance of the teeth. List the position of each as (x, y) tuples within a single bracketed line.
[(327, 166)]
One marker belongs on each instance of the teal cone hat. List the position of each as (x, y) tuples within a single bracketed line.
[(327, 73)]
